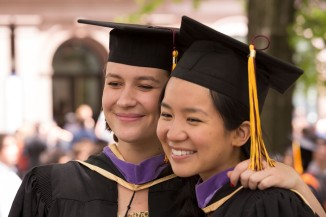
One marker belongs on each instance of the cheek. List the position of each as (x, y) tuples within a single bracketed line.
[(151, 103), (107, 98), (161, 130), (210, 140)]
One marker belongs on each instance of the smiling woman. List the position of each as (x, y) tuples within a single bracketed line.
[(129, 105), (195, 133), (130, 177), (207, 122)]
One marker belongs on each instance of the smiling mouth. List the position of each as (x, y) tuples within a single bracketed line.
[(129, 117), (182, 152)]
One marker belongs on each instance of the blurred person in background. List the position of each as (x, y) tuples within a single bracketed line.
[(83, 127), (307, 145), (9, 180), (55, 156), (295, 158), (317, 167), (85, 148), (35, 145)]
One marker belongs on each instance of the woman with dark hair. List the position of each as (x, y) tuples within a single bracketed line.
[(210, 122)]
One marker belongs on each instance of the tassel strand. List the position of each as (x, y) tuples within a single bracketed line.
[(258, 150)]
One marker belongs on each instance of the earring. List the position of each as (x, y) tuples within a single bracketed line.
[(166, 160)]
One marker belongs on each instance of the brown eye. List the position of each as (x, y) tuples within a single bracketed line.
[(193, 120), (165, 115), (146, 87), (114, 84)]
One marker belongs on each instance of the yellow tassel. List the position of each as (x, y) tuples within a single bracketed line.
[(258, 150), (297, 160), (174, 59)]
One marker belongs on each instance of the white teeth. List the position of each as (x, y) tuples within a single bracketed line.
[(181, 152)]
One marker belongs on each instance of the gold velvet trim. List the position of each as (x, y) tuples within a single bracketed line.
[(116, 152), (302, 198), (217, 204), (130, 186)]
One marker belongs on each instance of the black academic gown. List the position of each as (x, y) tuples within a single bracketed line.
[(71, 190), (272, 202)]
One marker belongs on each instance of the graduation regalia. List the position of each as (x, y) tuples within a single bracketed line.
[(72, 189), (228, 67)]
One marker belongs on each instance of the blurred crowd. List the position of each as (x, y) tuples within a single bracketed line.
[(308, 157), (81, 136), (46, 143)]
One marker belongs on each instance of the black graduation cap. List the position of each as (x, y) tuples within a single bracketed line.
[(140, 45), (220, 63)]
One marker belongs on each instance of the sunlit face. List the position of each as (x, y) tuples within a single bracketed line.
[(131, 101), (10, 151), (192, 131)]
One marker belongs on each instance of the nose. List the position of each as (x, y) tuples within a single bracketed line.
[(176, 131), (127, 97)]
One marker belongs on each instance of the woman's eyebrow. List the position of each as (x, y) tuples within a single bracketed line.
[(148, 78), (187, 110)]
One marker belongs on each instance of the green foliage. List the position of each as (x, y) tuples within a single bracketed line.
[(309, 27), (147, 7)]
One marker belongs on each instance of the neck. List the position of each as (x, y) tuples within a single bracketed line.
[(232, 162), (138, 152)]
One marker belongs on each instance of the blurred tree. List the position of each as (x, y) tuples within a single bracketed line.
[(309, 39), (303, 24), (272, 19)]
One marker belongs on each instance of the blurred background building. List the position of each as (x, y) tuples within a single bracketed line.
[(50, 64)]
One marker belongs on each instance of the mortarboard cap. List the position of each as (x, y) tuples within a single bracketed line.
[(140, 45), (220, 63)]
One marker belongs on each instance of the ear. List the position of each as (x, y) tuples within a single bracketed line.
[(242, 134)]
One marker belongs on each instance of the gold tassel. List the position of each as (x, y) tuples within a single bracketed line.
[(258, 150), (297, 160), (174, 58)]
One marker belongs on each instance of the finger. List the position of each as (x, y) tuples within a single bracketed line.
[(256, 177), (244, 178), (238, 170), (267, 182)]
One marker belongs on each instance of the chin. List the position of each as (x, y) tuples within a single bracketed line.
[(182, 172), (128, 137)]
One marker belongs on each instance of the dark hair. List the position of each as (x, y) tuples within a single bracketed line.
[(233, 114), (107, 127)]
